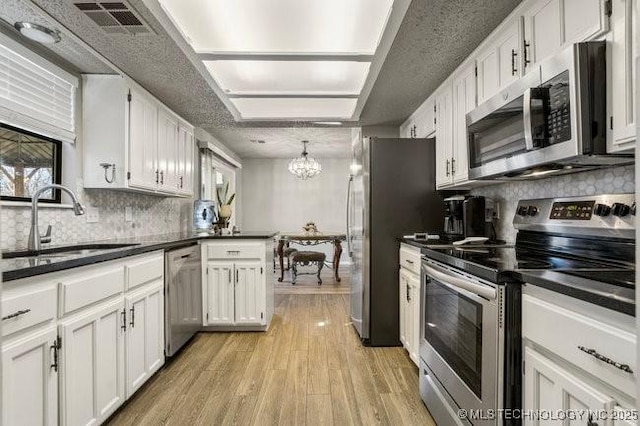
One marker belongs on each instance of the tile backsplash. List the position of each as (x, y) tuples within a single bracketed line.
[(151, 215), (604, 181)]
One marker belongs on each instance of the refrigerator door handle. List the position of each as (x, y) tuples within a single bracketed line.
[(349, 216)]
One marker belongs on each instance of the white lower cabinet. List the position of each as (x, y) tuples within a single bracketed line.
[(238, 288), (93, 364), (76, 345), (409, 287), (30, 380), (550, 388), (145, 334)]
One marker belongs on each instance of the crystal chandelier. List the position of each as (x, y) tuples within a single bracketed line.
[(304, 167)]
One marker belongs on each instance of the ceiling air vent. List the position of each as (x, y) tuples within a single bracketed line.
[(114, 17)]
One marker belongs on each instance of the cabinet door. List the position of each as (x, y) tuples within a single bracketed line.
[(184, 174), (548, 386), (425, 119), (143, 134), (167, 151), (414, 317), (464, 101), (542, 31), (92, 364), (249, 293), (583, 20), (621, 72), (29, 383), (403, 285), (444, 128), (145, 334), (220, 293)]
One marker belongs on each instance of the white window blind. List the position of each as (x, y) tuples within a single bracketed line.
[(33, 96)]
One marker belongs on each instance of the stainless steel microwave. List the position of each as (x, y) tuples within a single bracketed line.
[(551, 121)]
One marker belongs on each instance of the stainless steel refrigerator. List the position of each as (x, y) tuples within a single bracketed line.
[(392, 192)]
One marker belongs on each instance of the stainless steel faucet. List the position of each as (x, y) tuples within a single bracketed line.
[(35, 239)]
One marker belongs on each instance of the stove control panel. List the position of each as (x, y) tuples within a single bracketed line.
[(597, 215), (574, 210)]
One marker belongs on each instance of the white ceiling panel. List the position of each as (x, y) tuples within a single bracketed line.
[(289, 77), (281, 26), (298, 108)]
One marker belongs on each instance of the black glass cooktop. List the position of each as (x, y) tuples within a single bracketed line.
[(504, 259)]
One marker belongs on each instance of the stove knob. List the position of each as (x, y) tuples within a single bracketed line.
[(522, 211), (602, 210), (633, 209), (532, 210), (620, 209)]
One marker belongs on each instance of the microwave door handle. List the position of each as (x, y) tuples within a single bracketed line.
[(458, 284), (528, 135)]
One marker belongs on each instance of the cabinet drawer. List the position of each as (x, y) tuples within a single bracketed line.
[(235, 251), (410, 258), (28, 309), (91, 286), (144, 270), (563, 331)]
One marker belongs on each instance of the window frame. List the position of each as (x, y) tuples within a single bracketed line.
[(57, 167)]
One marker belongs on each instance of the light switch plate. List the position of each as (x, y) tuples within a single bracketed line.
[(93, 215), (128, 214)]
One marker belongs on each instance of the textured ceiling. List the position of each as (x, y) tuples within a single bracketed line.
[(286, 143), (434, 38)]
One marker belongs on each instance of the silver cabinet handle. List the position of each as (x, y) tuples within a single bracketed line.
[(124, 319), (161, 177), (233, 251), (237, 276), (514, 54), (527, 61), (133, 316), (56, 346), (229, 276), (596, 355), (16, 314), (410, 262), (453, 166), (447, 167), (181, 182), (157, 176), (408, 294)]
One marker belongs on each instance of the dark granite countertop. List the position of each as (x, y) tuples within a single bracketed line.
[(17, 268)]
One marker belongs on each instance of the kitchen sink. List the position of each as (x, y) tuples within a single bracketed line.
[(82, 249)]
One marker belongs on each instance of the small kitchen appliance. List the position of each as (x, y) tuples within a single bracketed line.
[(464, 217), (470, 344)]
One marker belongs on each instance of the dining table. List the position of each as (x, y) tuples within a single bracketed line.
[(309, 240)]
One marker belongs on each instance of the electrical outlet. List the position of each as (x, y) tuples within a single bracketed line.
[(93, 215), (128, 214), (496, 210)]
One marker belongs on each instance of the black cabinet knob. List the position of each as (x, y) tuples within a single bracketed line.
[(532, 210), (522, 211), (602, 210), (620, 209)]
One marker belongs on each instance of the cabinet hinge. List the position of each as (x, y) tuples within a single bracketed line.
[(129, 96), (128, 175), (611, 122), (608, 7)]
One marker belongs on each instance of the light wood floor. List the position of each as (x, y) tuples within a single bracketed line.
[(308, 284), (309, 368)]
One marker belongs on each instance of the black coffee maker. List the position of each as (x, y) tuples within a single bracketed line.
[(464, 217)]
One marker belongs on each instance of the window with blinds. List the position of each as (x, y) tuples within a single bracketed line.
[(33, 97)]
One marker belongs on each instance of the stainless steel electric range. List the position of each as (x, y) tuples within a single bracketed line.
[(470, 346)]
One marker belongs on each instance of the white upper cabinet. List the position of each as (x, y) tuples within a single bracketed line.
[(422, 123), (143, 129), (551, 25), (499, 62), (463, 102), (136, 138), (621, 73), (444, 137)]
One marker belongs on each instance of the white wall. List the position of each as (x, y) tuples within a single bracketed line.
[(274, 199)]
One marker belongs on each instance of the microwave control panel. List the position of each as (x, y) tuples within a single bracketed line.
[(559, 113), (576, 210)]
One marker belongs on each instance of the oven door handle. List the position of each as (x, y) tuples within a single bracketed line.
[(459, 283)]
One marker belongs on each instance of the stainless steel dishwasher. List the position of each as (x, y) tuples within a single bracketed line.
[(182, 297)]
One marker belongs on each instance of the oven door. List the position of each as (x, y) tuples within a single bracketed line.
[(461, 335)]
